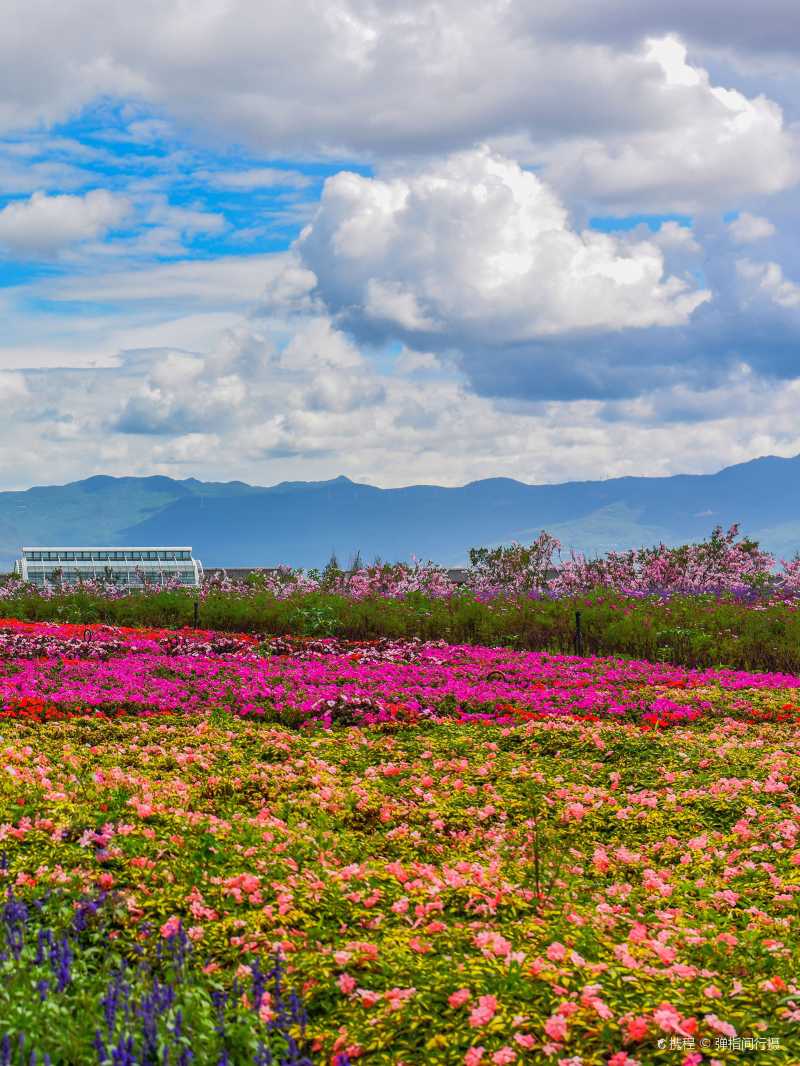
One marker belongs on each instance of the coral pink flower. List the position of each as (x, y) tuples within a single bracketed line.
[(567, 1009), (368, 997), (421, 947), (669, 1020), (636, 1029), (715, 1023), (474, 1056), (556, 1027), (346, 983), (504, 1056), (774, 984), (484, 1012), (556, 952), (170, 926), (459, 998)]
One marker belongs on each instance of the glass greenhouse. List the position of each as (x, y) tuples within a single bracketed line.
[(127, 567)]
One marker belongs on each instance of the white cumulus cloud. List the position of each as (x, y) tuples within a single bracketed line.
[(747, 228), (474, 249), (767, 279), (704, 145), (43, 225)]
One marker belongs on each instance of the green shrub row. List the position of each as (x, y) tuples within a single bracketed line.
[(689, 630)]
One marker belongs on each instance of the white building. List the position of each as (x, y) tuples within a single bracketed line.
[(132, 568)]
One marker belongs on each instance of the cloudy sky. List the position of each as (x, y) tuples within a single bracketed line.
[(402, 240)]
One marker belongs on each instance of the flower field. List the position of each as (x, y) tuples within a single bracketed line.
[(228, 849)]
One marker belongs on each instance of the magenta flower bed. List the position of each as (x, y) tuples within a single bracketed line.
[(66, 670)]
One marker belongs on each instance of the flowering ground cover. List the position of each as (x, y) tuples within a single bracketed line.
[(460, 854)]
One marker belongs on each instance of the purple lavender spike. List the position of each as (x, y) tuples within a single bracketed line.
[(220, 999), (122, 1054), (100, 1047)]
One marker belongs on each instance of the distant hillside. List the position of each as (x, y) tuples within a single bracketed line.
[(301, 523)]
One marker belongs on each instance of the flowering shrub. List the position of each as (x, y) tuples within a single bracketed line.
[(567, 861), (515, 570), (723, 564)]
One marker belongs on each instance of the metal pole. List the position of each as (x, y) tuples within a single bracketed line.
[(578, 634), (196, 614)]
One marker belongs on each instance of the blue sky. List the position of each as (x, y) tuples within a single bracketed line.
[(405, 242)]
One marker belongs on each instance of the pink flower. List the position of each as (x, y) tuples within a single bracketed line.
[(170, 926), (600, 860), (484, 1012), (421, 947), (396, 997), (556, 1027), (346, 983), (459, 998), (524, 1040), (774, 984), (504, 1056), (636, 1029), (474, 1056), (556, 952), (493, 943), (575, 811), (719, 1026), (669, 1020), (638, 933), (368, 997), (567, 1009)]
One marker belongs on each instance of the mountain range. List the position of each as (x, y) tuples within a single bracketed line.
[(301, 523)]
